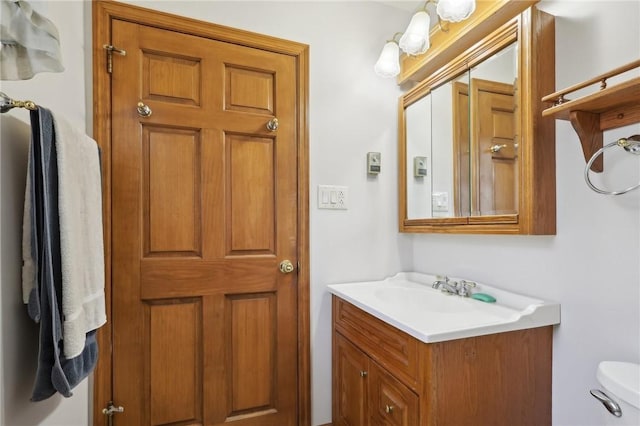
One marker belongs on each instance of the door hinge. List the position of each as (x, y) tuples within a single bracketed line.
[(110, 49), (110, 410)]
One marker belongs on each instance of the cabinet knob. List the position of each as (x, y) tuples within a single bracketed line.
[(388, 409), (363, 374)]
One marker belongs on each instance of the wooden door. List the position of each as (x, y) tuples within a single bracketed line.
[(494, 145), (204, 208), (350, 377)]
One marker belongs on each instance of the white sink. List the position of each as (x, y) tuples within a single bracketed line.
[(408, 302)]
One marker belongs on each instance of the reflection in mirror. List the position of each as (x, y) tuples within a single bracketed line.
[(494, 141), (437, 149), (419, 170), (450, 148), (462, 144), (475, 154)]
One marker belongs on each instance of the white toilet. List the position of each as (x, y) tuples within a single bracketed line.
[(620, 393)]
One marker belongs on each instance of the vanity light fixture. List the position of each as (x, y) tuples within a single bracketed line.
[(415, 39), (388, 64), (455, 10)]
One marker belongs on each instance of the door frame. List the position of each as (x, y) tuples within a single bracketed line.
[(103, 12)]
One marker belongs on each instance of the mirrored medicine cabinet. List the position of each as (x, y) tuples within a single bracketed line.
[(475, 154)]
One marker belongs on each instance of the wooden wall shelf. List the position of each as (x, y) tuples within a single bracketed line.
[(591, 115)]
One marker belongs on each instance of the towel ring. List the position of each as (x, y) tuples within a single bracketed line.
[(631, 145)]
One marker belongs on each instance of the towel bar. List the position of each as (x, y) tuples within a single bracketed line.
[(6, 103)]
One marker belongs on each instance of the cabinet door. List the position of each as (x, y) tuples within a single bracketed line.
[(350, 378), (390, 402)]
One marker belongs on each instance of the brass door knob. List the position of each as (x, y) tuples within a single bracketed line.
[(273, 124), (286, 267), (143, 110), (388, 409)]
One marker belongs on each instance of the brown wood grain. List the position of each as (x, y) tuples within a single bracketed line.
[(394, 350), (590, 115), (390, 402), (191, 235), (501, 379), (536, 193), (350, 383), (494, 175), (587, 126), (455, 38)]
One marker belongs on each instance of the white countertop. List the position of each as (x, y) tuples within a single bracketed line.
[(408, 302)]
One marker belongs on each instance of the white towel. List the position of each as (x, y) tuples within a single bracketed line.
[(30, 42), (28, 263), (81, 244)]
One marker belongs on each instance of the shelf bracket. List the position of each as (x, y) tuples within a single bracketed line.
[(587, 126), (609, 108)]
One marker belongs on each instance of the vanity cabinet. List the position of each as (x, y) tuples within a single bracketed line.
[(366, 390), (384, 376)]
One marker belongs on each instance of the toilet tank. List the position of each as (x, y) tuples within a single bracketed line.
[(620, 383)]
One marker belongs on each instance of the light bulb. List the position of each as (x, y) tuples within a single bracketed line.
[(388, 64), (415, 39), (455, 10)]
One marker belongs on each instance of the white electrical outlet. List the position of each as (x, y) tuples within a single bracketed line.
[(440, 201), (333, 197)]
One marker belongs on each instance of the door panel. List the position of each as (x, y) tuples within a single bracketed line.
[(172, 164), (350, 384), (175, 376), (251, 351), (171, 78), (204, 207), (251, 182), (249, 90), (496, 179)]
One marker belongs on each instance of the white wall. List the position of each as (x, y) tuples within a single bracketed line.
[(590, 266)]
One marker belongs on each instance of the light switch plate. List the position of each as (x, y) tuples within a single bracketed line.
[(419, 166), (333, 197)]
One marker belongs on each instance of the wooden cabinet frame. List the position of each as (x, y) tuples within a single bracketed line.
[(535, 32), (501, 379)]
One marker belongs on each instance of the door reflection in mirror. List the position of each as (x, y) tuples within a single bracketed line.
[(467, 130), (494, 141)]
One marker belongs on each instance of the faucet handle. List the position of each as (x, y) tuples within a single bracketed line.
[(440, 279), (465, 288)]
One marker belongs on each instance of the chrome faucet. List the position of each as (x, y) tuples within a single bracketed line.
[(465, 287), (445, 285), (461, 288)]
